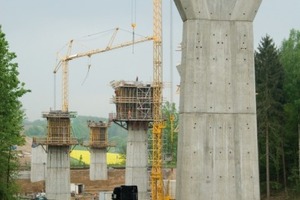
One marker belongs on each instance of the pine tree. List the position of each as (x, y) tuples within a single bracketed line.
[(270, 113), (290, 59), (11, 117)]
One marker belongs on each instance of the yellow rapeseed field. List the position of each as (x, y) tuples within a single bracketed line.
[(111, 158)]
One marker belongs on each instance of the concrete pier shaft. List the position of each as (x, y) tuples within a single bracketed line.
[(58, 173), (38, 164), (217, 144), (137, 159), (98, 165)]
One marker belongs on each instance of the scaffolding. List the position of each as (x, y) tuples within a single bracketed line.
[(58, 129), (98, 135), (133, 101)]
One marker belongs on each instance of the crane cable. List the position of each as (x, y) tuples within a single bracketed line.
[(87, 73), (54, 91), (133, 21)]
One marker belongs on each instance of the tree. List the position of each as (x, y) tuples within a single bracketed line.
[(169, 134), (11, 117), (270, 113), (169, 140), (290, 59)]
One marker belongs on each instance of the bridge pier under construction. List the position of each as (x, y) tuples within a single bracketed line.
[(58, 173), (137, 158), (98, 143), (38, 163), (133, 101), (58, 142), (217, 140)]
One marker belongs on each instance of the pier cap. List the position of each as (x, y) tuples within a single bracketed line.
[(244, 10)]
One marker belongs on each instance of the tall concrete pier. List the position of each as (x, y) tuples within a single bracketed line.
[(217, 148), (38, 163), (58, 143), (58, 173), (137, 158), (98, 165), (98, 144), (133, 101)]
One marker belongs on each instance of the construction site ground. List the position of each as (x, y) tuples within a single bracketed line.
[(116, 177)]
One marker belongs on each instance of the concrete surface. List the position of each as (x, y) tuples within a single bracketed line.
[(137, 161), (98, 165), (58, 173), (217, 144), (38, 164)]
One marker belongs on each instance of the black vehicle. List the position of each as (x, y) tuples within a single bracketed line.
[(125, 192)]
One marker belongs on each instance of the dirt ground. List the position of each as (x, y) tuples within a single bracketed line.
[(116, 177)]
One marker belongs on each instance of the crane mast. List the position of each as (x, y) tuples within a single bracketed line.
[(158, 125), (65, 80)]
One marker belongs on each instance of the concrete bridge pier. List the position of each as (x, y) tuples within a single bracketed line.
[(38, 164), (137, 159), (98, 165), (217, 144), (58, 173)]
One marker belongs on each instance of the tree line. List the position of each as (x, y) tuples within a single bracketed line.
[(277, 72)]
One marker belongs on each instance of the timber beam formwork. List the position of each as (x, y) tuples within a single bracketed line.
[(98, 135), (58, 129)]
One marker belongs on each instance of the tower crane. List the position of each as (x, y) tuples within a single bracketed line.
[(64, 62), (157, 188)]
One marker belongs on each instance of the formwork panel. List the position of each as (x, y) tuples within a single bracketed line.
[(133, 101), (98, 135), (58, 129), (98, 143)]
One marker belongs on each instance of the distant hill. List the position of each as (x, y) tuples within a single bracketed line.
[(80, 130), (35, 128)]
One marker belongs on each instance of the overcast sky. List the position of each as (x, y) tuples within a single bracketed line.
[(38, 31)]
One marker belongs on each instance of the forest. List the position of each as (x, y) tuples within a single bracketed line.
[(277, 73)]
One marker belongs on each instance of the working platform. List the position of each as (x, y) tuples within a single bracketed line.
[(58, 129), (98, 135), (133, 101)]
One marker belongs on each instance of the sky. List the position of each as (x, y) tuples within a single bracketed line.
[(39, 31)]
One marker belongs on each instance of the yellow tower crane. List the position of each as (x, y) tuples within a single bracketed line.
[(64, 62), (157, 187)]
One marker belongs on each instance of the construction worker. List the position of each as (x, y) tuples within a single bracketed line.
[(129, 114)]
